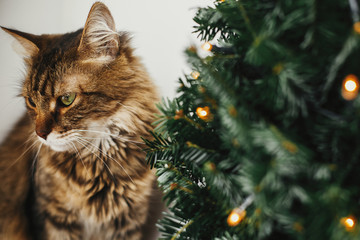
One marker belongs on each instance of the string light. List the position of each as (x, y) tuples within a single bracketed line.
[(195, 75), (348, 222), (354, 7), (356, 27), (235, 217), (207, 46), (204, 113), (350, 87), (238, 214)]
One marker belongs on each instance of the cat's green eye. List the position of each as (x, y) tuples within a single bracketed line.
[(67, 99)]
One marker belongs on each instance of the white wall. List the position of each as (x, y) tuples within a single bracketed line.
[(161, 29)]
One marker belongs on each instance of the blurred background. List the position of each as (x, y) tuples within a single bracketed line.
[(161, 31)]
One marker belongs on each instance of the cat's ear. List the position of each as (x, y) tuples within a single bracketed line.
[(26, 43), (99, 38)]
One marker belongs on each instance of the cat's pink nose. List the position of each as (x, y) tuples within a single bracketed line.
[(44, 125), (43, 133)]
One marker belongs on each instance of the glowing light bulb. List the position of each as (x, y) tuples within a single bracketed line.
[(356, 27), (350, 87), (202, 112), (195, 74), (351, 83), (348, 222), (235, 217), (207, 46)]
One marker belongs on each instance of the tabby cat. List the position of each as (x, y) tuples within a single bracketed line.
[(73, 166)]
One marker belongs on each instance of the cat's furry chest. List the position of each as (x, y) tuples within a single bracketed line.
[(98, 200)]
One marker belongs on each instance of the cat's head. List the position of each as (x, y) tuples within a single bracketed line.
[(82, 85)]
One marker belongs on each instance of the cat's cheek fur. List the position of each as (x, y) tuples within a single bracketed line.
[(54, 144), (58, 142)]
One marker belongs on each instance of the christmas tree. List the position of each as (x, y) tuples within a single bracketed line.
[(262, 140)]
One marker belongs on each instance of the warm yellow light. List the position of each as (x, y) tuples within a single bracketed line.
[(235, 217), (348, 222), (195, 74), (350, 85), (207, 46), (202, 112), (356, 27)]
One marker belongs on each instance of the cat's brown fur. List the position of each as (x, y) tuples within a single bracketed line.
[(82, 175)]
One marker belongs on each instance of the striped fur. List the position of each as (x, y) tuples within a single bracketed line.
[(79, 171)]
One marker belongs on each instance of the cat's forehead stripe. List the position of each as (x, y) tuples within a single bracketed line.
[(32, 77), (44, 82), (38, 78), (46, 65), (41, 82)]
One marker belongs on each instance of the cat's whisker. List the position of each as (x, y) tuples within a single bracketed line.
[(107, 155), (32, 137), (136, 143), (81, 142), (121, 138), (100, 132), (35, 160), (22, 155), (82, 161)]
